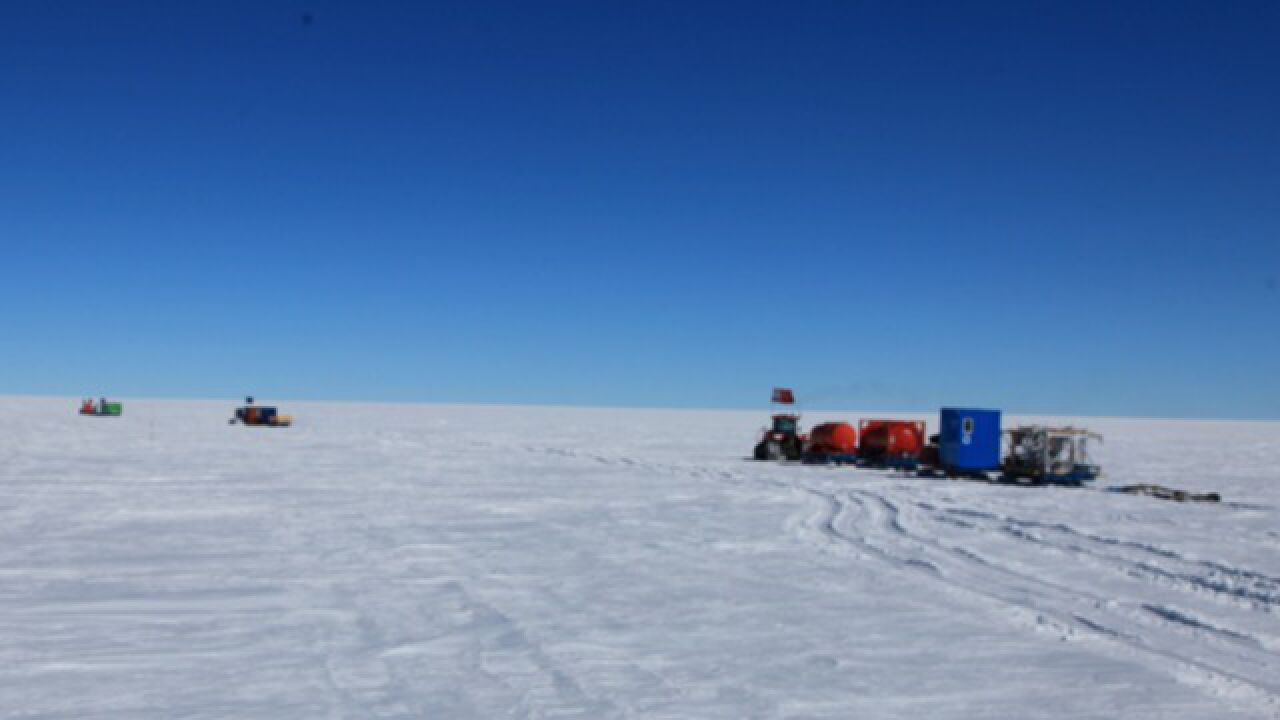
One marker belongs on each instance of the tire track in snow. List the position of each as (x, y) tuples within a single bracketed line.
[(373, 649), (1195, 587), (1237, 666), (1234, 647), (1239, 586), (1042, 606), (1163, 611), (552, 688)]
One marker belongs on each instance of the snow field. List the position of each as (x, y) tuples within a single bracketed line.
[(447, 561)]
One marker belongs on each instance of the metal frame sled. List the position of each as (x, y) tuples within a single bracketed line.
[(1040, 455)]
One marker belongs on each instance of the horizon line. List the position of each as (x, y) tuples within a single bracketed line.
[(765, 408)]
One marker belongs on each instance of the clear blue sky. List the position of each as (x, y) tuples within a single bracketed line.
[(1047, 207)]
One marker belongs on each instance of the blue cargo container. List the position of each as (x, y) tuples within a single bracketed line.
[(969, 441)]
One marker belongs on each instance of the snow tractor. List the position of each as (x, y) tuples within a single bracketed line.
[(782, 441), (1040, 455), (101, 408), (260, 416)]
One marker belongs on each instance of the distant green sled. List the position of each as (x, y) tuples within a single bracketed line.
[(101, 408)]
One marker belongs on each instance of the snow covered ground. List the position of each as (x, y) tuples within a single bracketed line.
[(486, 562)]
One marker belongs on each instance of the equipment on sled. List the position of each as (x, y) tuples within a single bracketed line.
[(101, 408), (260, 415), (1042, 455)]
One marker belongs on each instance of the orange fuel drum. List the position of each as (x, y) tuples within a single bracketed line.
[(835, 438), (891, 438)]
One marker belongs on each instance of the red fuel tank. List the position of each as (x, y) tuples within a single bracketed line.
[(835, 438), (891, 438)]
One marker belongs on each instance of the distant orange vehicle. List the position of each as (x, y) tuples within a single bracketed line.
[(260, 415)]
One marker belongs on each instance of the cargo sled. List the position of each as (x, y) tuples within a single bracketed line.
[(1041, 455), (101, 408), (260, 415)]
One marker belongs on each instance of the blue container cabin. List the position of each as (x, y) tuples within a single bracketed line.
[(969, 441)]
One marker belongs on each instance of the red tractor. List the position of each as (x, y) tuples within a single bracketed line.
[(783, 440)]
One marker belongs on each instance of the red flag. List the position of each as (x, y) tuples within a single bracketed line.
[(784, 396)]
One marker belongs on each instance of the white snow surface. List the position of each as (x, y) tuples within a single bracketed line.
[(414, 561)]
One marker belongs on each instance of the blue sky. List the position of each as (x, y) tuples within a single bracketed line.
[(1047, 207)]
